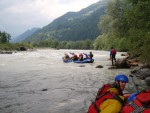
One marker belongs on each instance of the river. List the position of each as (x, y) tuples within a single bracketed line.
[(39, 82)]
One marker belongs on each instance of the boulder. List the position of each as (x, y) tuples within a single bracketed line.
[(141, 73), (122, 63), (22, 48), (99, 66), (147, 80)]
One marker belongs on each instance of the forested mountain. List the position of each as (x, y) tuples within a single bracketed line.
[(126, 26), (25, 35), (73, 26)]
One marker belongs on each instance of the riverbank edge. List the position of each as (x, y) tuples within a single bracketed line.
[(138, 69)]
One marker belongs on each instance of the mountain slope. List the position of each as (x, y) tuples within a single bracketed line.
[(26, 34), (73, 25)]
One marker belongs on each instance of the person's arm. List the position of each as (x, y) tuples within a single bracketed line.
[(110, 52)]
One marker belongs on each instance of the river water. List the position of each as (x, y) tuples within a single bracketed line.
[(39, 82)]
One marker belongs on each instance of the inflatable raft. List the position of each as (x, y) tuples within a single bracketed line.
[(77, 61), (84, 61), (66, 60)]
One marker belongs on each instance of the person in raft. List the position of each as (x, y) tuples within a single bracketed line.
[(74, 57), (110, 97), (91, 55), (66, 57), (80, 57)]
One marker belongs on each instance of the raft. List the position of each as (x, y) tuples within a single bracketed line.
[(88, 60), (66, 60)]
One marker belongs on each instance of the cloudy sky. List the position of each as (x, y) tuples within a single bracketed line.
[(17, 16)]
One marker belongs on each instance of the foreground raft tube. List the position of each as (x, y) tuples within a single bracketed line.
[(84, 61)]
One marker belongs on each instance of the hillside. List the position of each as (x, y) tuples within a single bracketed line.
[(26, 34), (73, 25)]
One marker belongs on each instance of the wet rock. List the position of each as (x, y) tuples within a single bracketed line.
[(6, 52), (147, 80), (44, 89), (122, 63), (22, 48), (123, 54), (145, 65), (99, 66), (81, 65), (141, 73), (112, 67), (135, 70)]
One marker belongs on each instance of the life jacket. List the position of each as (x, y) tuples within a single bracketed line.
[(141, 104), (102, 95), (113, 51), (94, 107), (80, 57), (75, 57), (80, 54), (105, 88)]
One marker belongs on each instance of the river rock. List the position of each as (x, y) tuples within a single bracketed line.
[(141, 73), (147, 80), (122, 63), (81, 65), (44, 89), (6, 52), (22, 48), (99, 66)]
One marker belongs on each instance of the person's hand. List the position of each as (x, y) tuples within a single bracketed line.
[(126, 95)]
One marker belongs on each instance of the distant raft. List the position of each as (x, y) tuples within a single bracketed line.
[(88, 60), (66, 60)]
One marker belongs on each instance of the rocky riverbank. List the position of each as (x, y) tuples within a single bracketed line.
[(142, 72), (6, 52), (139, 70), (21, 48)]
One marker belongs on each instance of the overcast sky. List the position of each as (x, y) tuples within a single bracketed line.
[(17, 16)]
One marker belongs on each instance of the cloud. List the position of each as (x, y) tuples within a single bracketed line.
[(19, 15)]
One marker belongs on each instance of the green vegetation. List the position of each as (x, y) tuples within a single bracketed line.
[(14, 46), (5, 45), (126, 26), (4, 37), (53, 43), (73, 26)]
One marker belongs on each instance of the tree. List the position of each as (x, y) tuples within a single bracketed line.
[(4, 37), (126, 26), (139, 23), (113, 25)]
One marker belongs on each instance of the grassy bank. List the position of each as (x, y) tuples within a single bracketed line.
[(14, 46)]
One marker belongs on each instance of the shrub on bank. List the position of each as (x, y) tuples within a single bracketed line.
[(14, 46)]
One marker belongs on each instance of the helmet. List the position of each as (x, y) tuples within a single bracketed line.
[(132, 96), (121, 77)]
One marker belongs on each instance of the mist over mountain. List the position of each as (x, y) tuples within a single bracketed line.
[(73, 26), (26, 34)]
